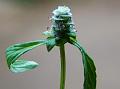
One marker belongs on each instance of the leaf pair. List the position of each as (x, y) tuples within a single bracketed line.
[(15, 51), (89, 67)]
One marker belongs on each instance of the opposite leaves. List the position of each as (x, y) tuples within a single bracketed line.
[(15, 51), (89, 67)]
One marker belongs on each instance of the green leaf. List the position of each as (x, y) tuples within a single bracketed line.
[(50, 43), (22, 65), (15, 51), (89, 67)]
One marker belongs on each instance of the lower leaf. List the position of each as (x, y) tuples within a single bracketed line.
[(89, 67), (22, 65), (15, 51)]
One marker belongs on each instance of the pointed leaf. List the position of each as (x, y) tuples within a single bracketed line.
[(50, 43), (15, 51), (89, 67), (22, 65)]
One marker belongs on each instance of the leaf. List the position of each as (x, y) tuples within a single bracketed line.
[(15, 51), (22, 65), (89, 67), (50, 43)]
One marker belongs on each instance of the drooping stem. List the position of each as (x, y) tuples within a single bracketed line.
[(63, 67)]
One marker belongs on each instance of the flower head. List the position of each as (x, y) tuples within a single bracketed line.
[(62, 25)]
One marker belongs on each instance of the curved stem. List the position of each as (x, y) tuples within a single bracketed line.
[(63, 67)]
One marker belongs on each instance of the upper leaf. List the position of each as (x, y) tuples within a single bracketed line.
[(15, 51), (89, 67)]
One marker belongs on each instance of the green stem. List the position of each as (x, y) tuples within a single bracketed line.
[(63, 67)]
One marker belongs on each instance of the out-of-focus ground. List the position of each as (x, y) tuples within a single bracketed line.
[(98, 29)]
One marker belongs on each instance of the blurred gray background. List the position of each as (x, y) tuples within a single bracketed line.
[(98, 29)]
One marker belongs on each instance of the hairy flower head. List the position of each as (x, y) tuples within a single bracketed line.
[(62, 25)]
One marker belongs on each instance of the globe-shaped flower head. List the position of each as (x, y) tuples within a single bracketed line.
[(62, 25)]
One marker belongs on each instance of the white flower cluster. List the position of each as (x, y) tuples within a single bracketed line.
[(62, 10)]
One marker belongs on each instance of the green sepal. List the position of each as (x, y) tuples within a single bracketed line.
[(89, 67), (49, 33), (72, 34), (22, 65), (51, 42), (15, 51)]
